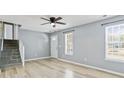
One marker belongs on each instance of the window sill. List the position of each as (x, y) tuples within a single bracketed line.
[(114, 60)]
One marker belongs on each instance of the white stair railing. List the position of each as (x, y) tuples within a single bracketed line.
[(2, 36), (22, 52), (2, 41)]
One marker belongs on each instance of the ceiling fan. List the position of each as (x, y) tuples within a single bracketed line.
[(53, 21)]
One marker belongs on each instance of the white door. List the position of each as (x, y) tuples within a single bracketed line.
[(54, 46), (8, 31)]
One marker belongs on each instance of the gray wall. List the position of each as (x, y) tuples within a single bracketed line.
[(89, 42), (36, 44)]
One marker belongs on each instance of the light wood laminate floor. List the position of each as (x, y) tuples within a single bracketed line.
[(52, 68)]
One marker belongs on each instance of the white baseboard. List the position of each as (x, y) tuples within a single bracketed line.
[(93, 67), (38, 58), (53, 57)]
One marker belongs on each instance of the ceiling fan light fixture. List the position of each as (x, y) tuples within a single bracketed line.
[(53, 21), (53, 24)]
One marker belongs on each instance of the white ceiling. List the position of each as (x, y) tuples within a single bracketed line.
[(32, 22)]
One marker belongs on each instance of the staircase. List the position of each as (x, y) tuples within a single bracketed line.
[(10, 55)]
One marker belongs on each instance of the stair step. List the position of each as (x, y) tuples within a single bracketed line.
[(10, 46), (10, 43), (12, 58), (6, 61), (15, 61), (10, 49), (10, 52), (10, 55), (9, 40), (9, 65)]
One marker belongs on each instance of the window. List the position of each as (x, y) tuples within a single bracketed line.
[(115, 42), (69, 43)]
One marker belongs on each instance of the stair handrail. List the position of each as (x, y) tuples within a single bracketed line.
[(22, 52), (2, 37)]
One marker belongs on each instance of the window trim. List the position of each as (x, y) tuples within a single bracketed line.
[(106, 45)]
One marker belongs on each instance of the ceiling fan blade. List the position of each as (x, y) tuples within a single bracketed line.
[(57, 19), (45, 23), (61, 23), (45, 19)]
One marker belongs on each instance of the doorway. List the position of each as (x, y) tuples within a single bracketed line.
[(54, 46), (8, 31)]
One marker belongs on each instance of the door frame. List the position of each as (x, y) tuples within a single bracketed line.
[(4, 23), (56, 45)]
